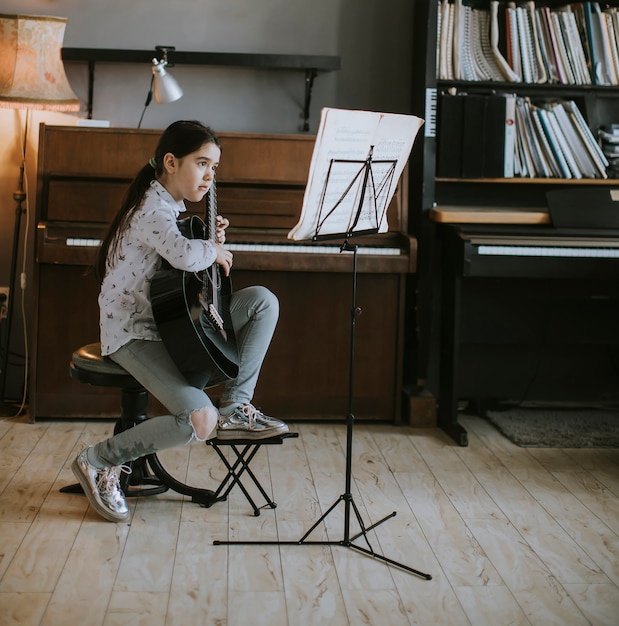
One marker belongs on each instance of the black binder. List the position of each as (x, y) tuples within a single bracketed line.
[(474, 131), (497, 120), (451, 119)]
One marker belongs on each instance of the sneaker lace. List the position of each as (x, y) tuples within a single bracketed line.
[(250, 411), (108, 480)]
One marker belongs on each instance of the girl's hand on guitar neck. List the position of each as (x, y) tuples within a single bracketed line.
[(221, 224), (224, 257)]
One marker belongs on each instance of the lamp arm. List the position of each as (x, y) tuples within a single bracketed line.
[(149, 98)]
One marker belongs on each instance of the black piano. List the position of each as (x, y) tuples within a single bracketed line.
[(528, 313)]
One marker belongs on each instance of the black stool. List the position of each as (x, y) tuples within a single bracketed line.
[(244, 450), (88, 366)]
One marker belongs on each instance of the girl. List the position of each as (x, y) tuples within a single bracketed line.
[(144, 232)]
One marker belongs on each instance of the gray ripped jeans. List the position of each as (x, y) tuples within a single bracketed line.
[(254, 312)]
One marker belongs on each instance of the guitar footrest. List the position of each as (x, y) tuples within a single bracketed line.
[(244, 451)]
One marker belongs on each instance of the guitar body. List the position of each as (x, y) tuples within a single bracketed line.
[(191, 311)]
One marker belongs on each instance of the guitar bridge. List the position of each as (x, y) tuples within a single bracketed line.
[(216, 320)]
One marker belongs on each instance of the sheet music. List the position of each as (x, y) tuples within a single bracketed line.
[(345, 141)]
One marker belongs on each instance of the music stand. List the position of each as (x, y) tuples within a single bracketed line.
[(367, 193)]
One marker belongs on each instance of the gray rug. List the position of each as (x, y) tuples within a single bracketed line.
[(558, 428)]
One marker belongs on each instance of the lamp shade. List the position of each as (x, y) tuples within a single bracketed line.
[(31, 70), (165, 87)]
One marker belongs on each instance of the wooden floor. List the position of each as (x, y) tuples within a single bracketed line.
[(509, 535)]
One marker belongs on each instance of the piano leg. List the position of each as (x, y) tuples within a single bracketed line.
[(447, 411)]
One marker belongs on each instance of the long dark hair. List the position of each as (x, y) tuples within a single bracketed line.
[(180, 138)]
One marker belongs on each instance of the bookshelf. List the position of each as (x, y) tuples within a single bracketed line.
[(598, 104), (441, 197)]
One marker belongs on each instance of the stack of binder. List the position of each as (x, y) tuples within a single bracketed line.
[(476, 136)]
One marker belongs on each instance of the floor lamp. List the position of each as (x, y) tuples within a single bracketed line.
[(32, 77)]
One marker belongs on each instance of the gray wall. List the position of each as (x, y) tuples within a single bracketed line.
[(372, 37)]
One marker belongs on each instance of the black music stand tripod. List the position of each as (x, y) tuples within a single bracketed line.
[(347, 498)]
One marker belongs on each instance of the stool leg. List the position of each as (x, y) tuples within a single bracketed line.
[(133, 405)]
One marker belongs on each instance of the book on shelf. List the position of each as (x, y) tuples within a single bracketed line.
[(462, 49), (574, 142), (512, 34), (535, 159), (549, 157), (613, 39), (594, 42), (611, 72), (541, 70), (597, 155), (574, 47), (524, 157), (545, 44), (549, 130), (499, 57), (445, 50), (525, 45), (486, 64), (561, 45)]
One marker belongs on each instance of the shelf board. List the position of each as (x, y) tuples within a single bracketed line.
[(234, 59), (518, 180), (534, 88), (489, 215), (309, 64)]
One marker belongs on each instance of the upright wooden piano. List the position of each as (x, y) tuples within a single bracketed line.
[(82, 176)]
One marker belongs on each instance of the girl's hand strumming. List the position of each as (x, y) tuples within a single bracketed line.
[(224, 258)]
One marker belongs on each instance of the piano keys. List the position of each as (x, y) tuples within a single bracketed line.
[(275, 248), (431, 99), (82, 175), (532, 252), (560, 250), (73, 247)]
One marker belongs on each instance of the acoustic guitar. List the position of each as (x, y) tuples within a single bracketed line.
[(191, 309)]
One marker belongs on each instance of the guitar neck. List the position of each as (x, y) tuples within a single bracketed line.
[(210, 216)]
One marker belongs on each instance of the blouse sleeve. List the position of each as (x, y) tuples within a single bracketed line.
[(159, 230)]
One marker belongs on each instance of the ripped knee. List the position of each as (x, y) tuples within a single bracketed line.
[(204, 422)]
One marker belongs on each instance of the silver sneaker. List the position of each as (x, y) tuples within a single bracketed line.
[(247, 422), (102, 488)]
